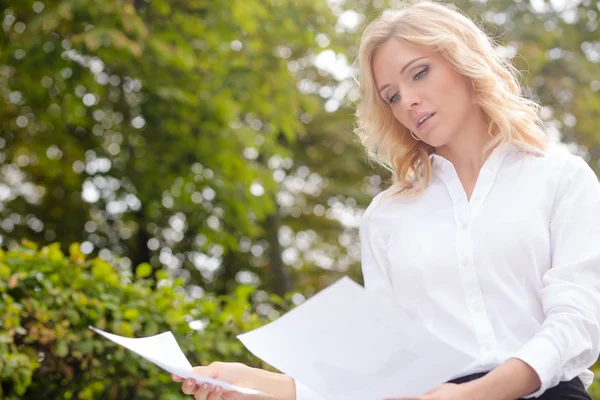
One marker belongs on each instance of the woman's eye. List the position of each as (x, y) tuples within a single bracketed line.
[(394, 98), (421, 73)]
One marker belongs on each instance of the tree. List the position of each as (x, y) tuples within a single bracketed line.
[(140, 134)]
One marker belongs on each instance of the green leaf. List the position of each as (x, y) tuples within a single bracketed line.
[(143, 270), (29, 244), (62, 349), (76, 253), (101, 269), (4, 271), (131, 314)]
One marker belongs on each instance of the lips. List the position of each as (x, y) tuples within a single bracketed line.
[(421, 118)]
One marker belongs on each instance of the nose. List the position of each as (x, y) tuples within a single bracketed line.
[(410, 100)]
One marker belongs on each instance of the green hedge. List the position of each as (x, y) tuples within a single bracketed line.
[(47, 301)]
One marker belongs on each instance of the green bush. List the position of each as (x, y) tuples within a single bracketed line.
[(48, 300)]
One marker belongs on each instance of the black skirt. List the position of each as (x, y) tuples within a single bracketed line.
[(566, 390)]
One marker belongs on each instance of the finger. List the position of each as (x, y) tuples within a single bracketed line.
[(216, 393), (208, 370), (404, 398), (176, 378), (188, 386), (202, 370), (434, 391), (202, 392)]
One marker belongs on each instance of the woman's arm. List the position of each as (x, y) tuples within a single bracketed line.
[(374, 264), (569, 340), (512, 380), (509, 381), (375, 277)]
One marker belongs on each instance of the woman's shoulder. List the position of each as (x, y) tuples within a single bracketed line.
[(573, 169), (383, 207), (373, 221), (375, 203), (568, 160), (560, 167), (565, 161), (557, 158)]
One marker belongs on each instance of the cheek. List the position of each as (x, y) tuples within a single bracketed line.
[(401, 116), (456, 95)]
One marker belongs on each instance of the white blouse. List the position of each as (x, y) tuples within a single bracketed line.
[(514, 272)]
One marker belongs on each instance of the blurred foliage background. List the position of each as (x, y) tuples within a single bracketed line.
[(189, 165)]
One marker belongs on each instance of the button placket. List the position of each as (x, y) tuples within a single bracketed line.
[(472, 288), (463, 212), (466, 212)]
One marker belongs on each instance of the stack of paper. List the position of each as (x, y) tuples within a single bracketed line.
[(348, 343), (343, 343)]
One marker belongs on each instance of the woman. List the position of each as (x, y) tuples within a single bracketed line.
[(485, 237)]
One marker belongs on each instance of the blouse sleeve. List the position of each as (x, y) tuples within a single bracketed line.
[(569, 340), (374, 267), (374, 262)]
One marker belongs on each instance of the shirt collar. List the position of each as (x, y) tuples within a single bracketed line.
[(438, 162)]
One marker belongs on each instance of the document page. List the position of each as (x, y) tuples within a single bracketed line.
[(163, 351), (348, 343)]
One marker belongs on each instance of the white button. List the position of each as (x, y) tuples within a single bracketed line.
[(476, 309), (466, 262), (465, 226)]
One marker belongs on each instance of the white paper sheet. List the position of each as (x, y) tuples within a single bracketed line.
[(163, 351), (348, 343)]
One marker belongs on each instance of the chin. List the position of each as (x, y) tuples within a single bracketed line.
[(435, 141)]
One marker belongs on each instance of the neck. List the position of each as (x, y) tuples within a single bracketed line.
[(465, 151)]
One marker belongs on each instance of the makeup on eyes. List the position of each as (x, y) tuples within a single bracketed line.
[(423, 70)]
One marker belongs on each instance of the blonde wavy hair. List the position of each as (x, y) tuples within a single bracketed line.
[(443, 29)]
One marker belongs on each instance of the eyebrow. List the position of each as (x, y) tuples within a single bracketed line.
[(402, 71)]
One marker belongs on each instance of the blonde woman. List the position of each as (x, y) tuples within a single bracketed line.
[(486, 237)]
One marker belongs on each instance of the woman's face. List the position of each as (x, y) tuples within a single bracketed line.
[(424, 93)]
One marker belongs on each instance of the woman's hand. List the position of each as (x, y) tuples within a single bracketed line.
[(280, 386), (448, 391), (514, 379)]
